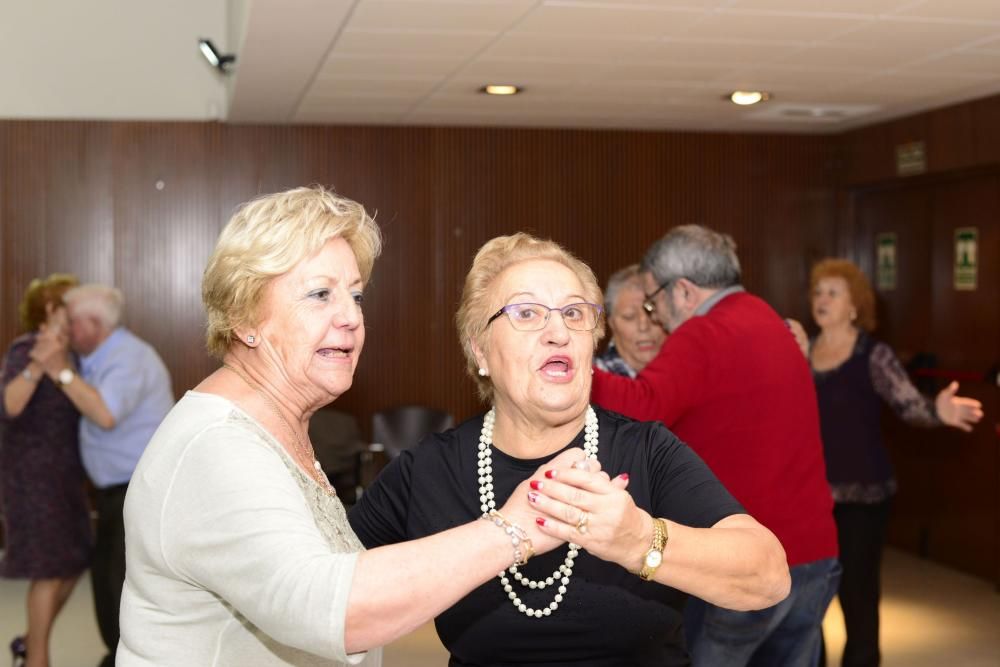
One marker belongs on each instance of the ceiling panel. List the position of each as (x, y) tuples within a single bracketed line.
[(596, 63), (432, 16), (627, 20)]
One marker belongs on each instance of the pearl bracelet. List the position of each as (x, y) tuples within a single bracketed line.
[(518, 537)]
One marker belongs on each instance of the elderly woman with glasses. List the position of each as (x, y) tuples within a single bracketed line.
[(645, 521), (636, 338)]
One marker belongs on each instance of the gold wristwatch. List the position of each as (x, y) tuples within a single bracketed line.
[(654, 557)]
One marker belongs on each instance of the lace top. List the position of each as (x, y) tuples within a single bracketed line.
[(327, 510), (850, 398)]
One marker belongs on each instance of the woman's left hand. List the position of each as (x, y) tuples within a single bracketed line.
[(957, 411), (595, 512)]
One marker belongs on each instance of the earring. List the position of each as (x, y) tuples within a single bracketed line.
[(483, 372), (251, 339)]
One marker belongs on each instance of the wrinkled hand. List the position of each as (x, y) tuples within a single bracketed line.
[(51, 349), (799, 333), (613, 529), (957, 411), (519, 510)]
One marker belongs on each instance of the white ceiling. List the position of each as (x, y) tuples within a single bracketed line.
[(655, 64)]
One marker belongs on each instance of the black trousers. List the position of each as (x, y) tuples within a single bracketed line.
[(107, 574), (861, 532)]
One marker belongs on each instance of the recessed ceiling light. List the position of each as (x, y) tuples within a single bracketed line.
[(500, 89), (747, 97)]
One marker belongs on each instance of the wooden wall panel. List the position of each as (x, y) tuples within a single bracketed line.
[(959, 137), (438, 194)]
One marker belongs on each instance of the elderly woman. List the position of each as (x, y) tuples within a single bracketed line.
[(239, 552), (635, 338), (529, 320), (41, 476), (854, 375)]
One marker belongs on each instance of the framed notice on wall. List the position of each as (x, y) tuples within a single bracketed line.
[(885, 261), (966, 258)]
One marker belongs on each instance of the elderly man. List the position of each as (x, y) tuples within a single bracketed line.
[(731, 382), (123, 391), (635, 338)]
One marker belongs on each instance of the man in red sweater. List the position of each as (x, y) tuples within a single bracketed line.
[(732, 383)]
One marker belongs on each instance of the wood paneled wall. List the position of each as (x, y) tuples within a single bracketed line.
[(83, 197)]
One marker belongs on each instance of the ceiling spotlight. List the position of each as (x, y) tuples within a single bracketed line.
[(497, 89), (215, 59), (745, 98)]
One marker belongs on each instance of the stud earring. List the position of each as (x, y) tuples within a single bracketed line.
[(251, 339), (483, 372)]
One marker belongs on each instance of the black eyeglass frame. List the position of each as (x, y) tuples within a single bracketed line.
[(648, 305), (506, 311)]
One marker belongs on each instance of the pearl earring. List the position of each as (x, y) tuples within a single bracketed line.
[(251, 339), (483, 372)]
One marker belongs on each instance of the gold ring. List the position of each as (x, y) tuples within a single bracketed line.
[(581, 525)]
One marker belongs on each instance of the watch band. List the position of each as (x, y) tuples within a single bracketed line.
[(654, 557)]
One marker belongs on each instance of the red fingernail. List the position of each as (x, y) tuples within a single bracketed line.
[(532, 496), (540, 521), (550, 473), (535, 485), (623, 476)]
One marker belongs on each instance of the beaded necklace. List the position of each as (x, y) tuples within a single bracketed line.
[(487, 502), (305, 453)]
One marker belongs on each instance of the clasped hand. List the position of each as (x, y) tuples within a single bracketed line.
[(582, 504), (51, 348)]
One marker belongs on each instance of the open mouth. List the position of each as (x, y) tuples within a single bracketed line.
[(557, 367), (335, 352)]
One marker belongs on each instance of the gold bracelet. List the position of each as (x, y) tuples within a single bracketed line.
[(523, 550)]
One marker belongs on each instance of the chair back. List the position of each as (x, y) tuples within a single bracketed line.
[(336, 437), (403, 427)]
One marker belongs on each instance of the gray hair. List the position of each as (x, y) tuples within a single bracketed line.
[(703, 256), (100, 301), (618, 280)]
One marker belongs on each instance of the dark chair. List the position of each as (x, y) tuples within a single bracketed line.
[(336, 437), (402, 427)]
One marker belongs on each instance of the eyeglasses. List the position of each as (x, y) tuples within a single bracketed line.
[(534, 316), (648, 304)]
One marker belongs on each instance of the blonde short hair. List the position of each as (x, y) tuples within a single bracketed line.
[(479, 302), (43, 292), (266, 238)]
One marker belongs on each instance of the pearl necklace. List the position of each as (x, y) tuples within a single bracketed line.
[(304, 453), (488, 502)]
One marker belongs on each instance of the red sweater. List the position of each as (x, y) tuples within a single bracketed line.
[(735, 387)]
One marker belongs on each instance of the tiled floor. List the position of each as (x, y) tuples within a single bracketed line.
[(932, 617)]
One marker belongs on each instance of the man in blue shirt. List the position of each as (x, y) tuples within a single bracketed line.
[(123, 391)]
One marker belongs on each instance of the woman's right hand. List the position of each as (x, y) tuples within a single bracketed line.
[(51, 349), (518, 510)]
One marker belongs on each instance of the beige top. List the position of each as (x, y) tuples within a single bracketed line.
[(234, 556)]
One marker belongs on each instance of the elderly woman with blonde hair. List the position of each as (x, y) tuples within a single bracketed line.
[(239, 552), (655, 526)]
